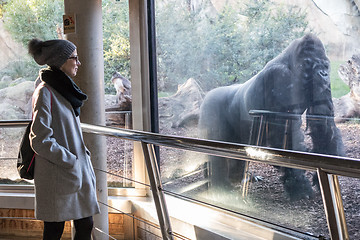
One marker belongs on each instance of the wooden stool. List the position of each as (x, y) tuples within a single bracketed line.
[(259, 134)]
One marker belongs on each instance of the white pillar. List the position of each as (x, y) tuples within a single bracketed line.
[(90, 78)]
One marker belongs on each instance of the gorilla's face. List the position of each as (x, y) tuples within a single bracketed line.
[(312, 73), (299, 77)]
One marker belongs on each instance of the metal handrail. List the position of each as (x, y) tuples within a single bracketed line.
[(14, 123), (342, 166)]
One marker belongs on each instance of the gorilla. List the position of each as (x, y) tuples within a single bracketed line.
[(294, 82)]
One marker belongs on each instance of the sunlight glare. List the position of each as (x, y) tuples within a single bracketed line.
[(257, 153)]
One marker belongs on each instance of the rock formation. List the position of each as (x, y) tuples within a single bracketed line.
[(348, 106), (15, 101), (182, 108)]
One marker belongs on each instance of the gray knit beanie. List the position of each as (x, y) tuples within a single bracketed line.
[(52, 52)]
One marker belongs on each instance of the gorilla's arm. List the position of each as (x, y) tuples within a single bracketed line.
[(326, 137)]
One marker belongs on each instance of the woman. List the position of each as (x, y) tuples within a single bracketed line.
[(64, 177)]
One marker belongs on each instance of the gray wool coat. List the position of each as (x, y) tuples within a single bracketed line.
[(64, 176)]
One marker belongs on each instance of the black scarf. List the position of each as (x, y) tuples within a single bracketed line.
[(63, 84)]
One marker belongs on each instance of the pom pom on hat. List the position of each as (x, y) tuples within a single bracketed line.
[(52, 52)]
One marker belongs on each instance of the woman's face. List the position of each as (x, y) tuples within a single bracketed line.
[(71, 65)]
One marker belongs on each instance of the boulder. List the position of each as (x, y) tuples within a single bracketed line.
[(9, 49), (182, 108), (6, 80), (16, 101)]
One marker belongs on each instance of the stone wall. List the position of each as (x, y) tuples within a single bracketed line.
[(9, 49), (337, 24)]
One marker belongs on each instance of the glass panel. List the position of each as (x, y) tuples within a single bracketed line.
[(262, 196), (217, 62), (21, 21), (119, 162), (118, 95), (281, 74)]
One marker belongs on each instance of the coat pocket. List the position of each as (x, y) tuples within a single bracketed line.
[(91, 170), (69, 180)]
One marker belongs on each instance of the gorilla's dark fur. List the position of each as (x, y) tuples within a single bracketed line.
[(294, 82)]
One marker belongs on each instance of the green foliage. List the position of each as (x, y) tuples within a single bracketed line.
[(116, 41), (2, 3), (176, 37), (165, 94), (227, 48), (338, 87), (33, 19), (270, 30), (29, 19), (26, 69)]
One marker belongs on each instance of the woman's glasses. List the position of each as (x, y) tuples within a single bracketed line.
[(76, 58)]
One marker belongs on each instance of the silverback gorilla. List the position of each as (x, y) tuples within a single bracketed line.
[(294, 82)]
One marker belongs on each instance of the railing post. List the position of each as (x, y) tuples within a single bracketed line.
[(334, 210), (156, 188), (339, 206)]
